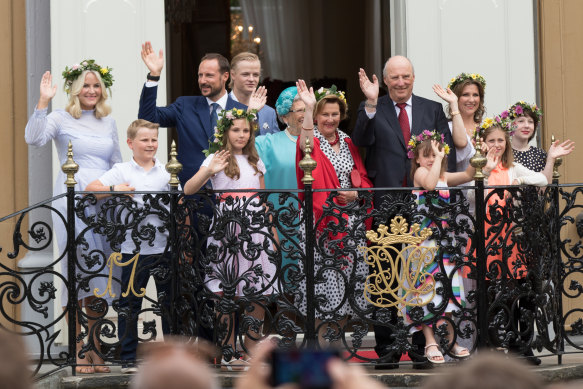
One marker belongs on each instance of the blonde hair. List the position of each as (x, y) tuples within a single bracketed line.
[(232, 170), (507, 158), (102, 109), (140, 123), (244, 56)]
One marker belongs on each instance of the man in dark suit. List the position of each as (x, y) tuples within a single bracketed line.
[(194, 118), (384, 126), (191, 115)]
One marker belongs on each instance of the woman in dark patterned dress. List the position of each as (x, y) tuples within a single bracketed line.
[(526, 118)]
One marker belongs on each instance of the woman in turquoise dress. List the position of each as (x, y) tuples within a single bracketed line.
[(278, 153)]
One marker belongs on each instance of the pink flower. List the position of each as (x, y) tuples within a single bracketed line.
[(498, 119), (504, 114), (519, 110), (229, 115), (75, 67)]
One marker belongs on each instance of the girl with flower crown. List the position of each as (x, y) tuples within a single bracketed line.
[(428, 152), (501, 170), (525, 119), (86, 123), (240, 266)]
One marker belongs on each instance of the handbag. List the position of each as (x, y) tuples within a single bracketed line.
[(355, 178)]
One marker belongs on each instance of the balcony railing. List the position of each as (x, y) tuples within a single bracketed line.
[(237, 267)]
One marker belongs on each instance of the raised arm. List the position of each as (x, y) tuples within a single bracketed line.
[(165, 116), (258, 99), (363, 132), (428, 178), (217, 164), (155, 63), (460, 139), (309, 99), (39, 129), (557, 150)]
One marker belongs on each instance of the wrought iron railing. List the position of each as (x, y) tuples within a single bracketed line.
[(239, 266)]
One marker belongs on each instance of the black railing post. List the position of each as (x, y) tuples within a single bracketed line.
[(174, 167), (557, 264), (70, 168), (478, 161), (307, 164)]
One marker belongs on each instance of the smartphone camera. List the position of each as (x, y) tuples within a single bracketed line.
[(307, 368)]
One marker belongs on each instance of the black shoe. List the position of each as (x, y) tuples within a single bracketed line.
[(531, 359), (423, 365), (386, 365)]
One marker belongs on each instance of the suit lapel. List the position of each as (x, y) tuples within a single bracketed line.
[(202, 110), (417, 112)]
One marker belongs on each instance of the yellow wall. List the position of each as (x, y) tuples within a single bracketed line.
[(13, 149), (561, 57)]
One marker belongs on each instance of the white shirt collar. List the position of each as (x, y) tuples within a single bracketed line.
[(408, 102), (222, 102), (136, 165)]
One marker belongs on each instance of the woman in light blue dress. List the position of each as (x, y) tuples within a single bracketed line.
[(278, 153), (87, 124)]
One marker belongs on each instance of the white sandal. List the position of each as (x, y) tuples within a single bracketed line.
[(234, 365), (434, 354), (460, 351)]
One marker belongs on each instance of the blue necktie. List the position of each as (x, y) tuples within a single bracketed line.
[(214, 116)]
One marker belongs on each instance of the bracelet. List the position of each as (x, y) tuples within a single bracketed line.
[(152, 78), (307, 129), (455, 113), (111, 189), (369, 105)]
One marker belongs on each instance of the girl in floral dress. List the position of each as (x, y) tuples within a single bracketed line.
[(428, 151), (241, 267)]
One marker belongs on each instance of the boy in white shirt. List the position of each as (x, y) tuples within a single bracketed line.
[(146, 233)]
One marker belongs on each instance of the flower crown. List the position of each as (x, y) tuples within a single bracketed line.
[(425, 135), (504, 122), (518, 109), (322, 92), (224, 122), (466, 76), (71, 74)]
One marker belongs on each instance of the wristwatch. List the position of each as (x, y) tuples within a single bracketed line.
[(152, 78)]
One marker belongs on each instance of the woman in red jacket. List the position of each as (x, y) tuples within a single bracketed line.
[(340, 269)]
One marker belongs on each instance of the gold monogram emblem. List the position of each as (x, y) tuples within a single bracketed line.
[(389, 287), (115, 259)]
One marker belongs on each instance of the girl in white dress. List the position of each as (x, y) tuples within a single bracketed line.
[(241, 268), (87, 124)]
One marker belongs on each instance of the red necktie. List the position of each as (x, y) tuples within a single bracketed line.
[(404, 122), (405, 129)]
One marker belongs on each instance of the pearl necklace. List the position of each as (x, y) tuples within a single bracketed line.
[(290, 136)]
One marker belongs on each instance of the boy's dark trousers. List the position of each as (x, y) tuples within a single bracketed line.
[(157, 265)]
